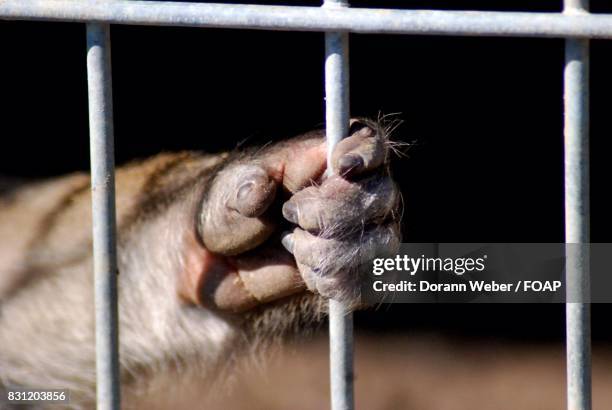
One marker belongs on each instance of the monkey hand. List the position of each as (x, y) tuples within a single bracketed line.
[(334, 222)]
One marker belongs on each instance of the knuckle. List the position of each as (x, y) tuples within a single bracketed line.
[(339, 207), (331, 267)]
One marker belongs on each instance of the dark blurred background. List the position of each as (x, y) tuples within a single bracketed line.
[(484, 116)]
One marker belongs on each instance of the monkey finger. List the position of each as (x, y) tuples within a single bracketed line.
[(254, 278), (364, 150), (339, 207), (295, 165), (270, 273), (232, 219), (331, 267), (250, 190), (328, 256)]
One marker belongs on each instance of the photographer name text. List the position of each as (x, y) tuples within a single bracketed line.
[(472, 286)]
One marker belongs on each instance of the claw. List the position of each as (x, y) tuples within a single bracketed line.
[(349, 163), (290, 212), (287, 241)]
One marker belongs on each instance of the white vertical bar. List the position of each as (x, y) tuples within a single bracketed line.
[(103, 215), (337, 124), (578, 326)]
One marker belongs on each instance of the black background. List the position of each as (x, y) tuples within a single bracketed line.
[(484, 114)]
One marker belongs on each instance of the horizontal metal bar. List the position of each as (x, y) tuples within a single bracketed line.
[(430, 22)]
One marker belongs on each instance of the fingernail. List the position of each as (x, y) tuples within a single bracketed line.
[(356, 126), (244, 191), (287, 241), (290, 212), (349, 162)]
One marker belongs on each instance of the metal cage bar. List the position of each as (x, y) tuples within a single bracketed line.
[(103, 215), (575, 24), (297, 18), (576, 136), (337, 125)]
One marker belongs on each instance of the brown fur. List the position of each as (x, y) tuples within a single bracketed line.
[(47, 225), (46, 284)]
